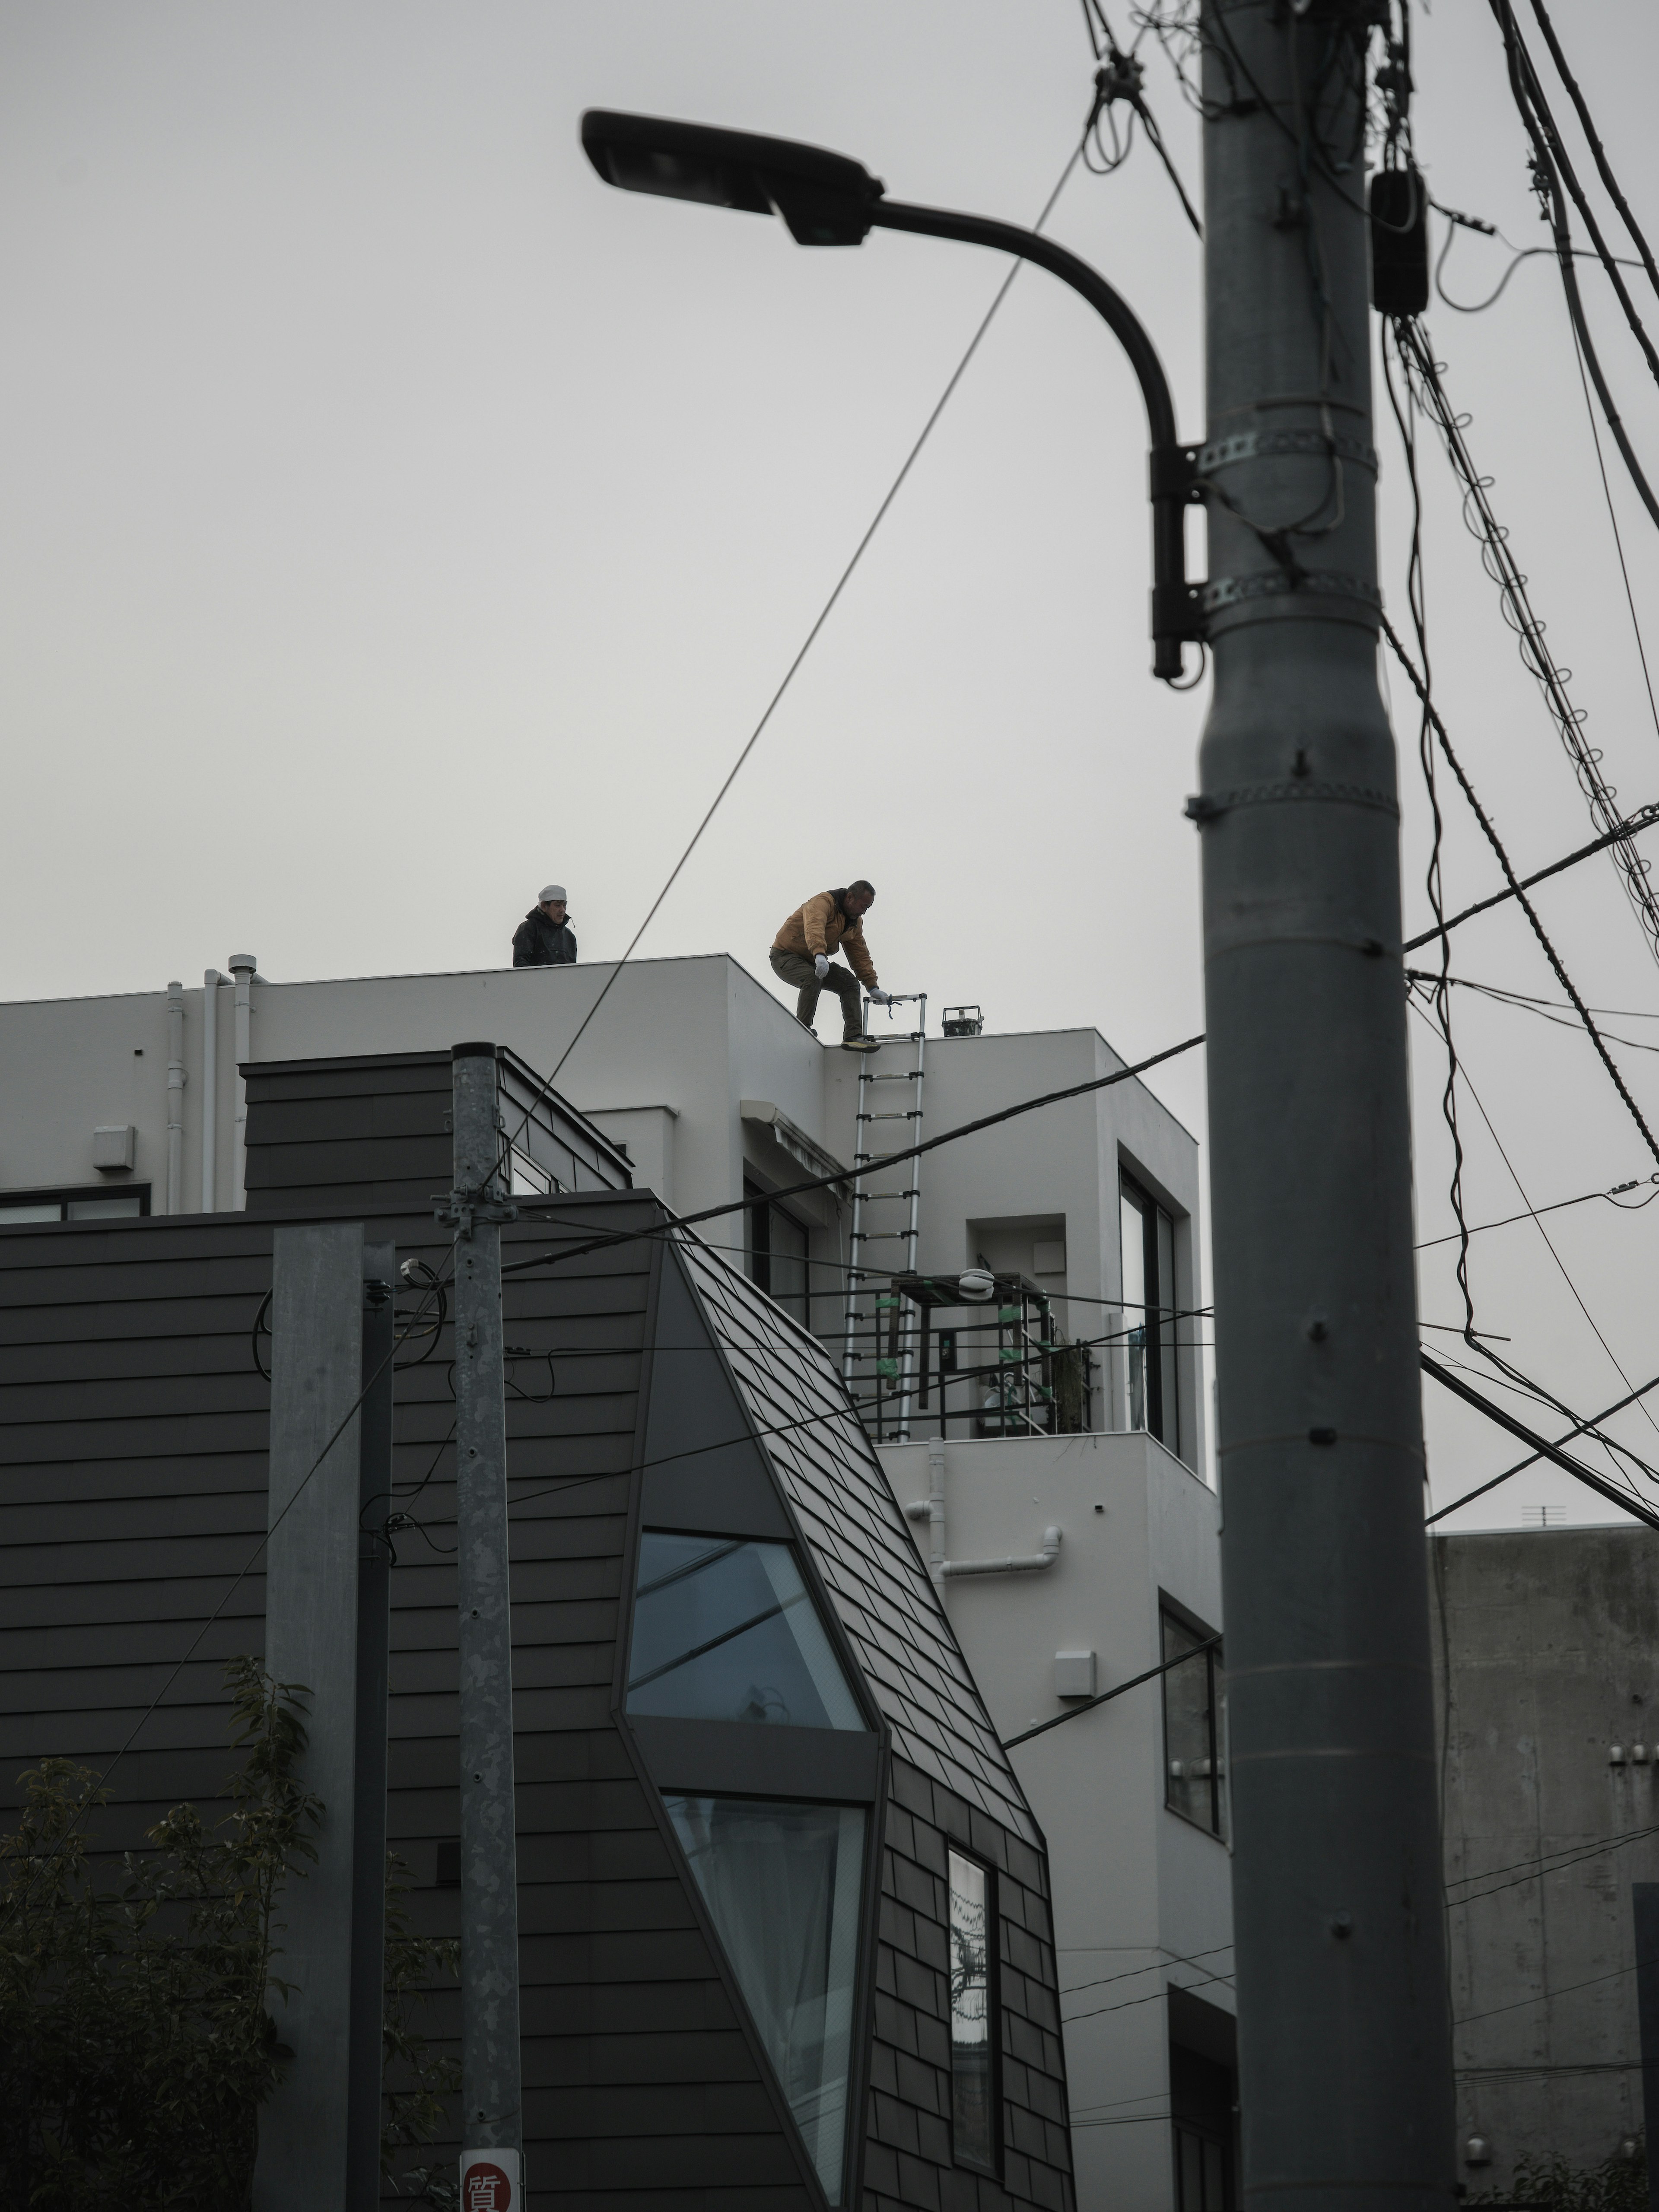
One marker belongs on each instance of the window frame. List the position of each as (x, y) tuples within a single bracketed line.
[(760, 1760), (1162, 1362), (966, 2159), (758, 1208), (65, 1194), (1214, 1680)]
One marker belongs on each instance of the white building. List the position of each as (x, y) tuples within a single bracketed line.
[(132, 1103)]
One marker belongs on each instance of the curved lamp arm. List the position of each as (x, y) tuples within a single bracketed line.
[(827, 199), (1176, 612)]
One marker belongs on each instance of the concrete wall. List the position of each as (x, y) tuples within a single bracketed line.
[(1553, 1636), (1142, 1897), (665, 1065)]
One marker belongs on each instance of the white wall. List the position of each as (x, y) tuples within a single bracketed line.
[(1139, 1892)]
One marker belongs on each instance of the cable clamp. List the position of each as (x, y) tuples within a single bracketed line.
[(459, 1209), (1273, 583), (1204, 807), (1276, 445)]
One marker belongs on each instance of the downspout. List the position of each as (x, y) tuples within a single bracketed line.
[(211, 982), (242, 967), (175, 1098), (931, 1509)]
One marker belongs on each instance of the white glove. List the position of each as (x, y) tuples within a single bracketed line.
[(820, 967), (881, 998)]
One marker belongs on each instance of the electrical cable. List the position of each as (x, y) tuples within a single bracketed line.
[(1582, 1428), (1087, 1705), (810, 640), (1556, 1207), (1618, 535), (1423, 372), (1521, 1003), (1561, 1265), (1547, 173), (840, 1174), (1643, 819), (1635, 1507), (1598, 152), (1514, 884), (1550, 158), (1547, 1863)]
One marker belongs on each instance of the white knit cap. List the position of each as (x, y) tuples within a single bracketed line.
[(551, 892)]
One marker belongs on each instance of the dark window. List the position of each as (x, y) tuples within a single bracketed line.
[(973, 2014), (783, 1884), (727, 1631), (94, 1205), (774, 1253), (1202, 2095), (1149, 1315), (1191, 1730)]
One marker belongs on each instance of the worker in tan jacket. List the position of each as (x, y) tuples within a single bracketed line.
[(803, 950)]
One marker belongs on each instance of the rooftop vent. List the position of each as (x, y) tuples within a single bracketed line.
[(963, 1021)]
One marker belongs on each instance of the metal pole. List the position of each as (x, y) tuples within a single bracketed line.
[(491, 2117), (175, 1098), (1343, 2039), (368, 1827)]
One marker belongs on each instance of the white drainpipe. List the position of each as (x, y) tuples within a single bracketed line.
[(242, 967), (175, 1098), (211, 982), (931, 1509)]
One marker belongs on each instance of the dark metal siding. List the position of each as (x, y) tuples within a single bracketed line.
[(133, 1431), (338, 1136)]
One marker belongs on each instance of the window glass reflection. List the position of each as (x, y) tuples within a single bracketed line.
[(726, 1630), (1192, 1735), (972, 2088), (782, 1883)]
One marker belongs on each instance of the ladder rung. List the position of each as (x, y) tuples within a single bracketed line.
[(870, 1197), (879, 1235), (910, 1114), (913, 1076)]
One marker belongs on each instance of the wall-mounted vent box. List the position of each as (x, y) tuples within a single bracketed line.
[(1074, 1674), (114, 1149)]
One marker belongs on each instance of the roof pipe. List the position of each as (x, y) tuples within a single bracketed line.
[(931, 1509), (210, 981), (243, 966), (176, 1080)]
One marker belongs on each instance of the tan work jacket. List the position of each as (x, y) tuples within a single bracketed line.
[(821, 927)]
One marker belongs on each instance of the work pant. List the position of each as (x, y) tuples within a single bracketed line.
[(797, 968)]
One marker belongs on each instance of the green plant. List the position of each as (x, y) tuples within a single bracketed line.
[(1619, 2184), (137, 2038)]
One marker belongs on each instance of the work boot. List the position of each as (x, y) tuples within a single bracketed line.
[(854, 1041)]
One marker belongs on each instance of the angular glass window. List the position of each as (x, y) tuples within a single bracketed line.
[(1192, 1736), (726, 1630), (783, 1886), (972, 2106)]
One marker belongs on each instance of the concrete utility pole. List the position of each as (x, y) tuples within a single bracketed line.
[(1344, 2037), (491, 2122), (311, 1637), (374, 1502)]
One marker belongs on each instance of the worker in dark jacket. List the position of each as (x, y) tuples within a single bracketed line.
[(543, 938)]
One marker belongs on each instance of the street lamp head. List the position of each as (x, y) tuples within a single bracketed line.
[(825, 198)]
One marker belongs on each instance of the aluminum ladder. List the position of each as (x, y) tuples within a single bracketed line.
[(865, 1372)]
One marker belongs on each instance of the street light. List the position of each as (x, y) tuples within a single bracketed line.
[(827, 199)]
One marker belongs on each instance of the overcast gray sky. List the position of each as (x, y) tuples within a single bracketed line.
[(392, 518)]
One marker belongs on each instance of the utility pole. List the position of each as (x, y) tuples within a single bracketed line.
[(492, 2130), (1344, 2055), (374, 1503)]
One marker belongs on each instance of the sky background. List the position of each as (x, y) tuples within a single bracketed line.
[(391, 519)]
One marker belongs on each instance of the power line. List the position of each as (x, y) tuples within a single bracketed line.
[(1549, 165), (1521, 1004), (1106, 1696), (1527, 906), (1583, 1428), (1423, 373), (1598, 152), (840, 1174), (1644, 819), (810, 638), (1557, 1206), (1541, 1446)]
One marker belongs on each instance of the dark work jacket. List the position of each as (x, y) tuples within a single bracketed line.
[(539, 943)]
